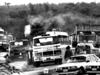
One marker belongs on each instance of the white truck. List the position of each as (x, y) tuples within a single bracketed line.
[(48, 48), (87, 34)]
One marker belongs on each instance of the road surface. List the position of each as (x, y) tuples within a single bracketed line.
[(34, 71)]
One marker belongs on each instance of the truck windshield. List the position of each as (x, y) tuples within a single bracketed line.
[(46, 41), (77, 59)]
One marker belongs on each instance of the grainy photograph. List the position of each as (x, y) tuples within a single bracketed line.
[(49, 37)]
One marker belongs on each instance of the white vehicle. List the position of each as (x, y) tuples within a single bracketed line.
[(88, 34), (49, 48), (46, 49), (79, 64)]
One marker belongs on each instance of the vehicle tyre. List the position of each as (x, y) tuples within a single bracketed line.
[(36, 64), (81, 71)]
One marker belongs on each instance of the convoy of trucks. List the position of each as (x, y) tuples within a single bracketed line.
[(51, 46), (85, 35)]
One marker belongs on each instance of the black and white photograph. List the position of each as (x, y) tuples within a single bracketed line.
[(49, 37)]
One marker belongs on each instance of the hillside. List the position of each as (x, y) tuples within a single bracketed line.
[(46, 16)]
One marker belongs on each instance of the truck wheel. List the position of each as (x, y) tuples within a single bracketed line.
[(5, 72), (36, 64)]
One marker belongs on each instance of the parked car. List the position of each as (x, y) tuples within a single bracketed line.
[(77, 64)]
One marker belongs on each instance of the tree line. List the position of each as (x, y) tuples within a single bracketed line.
[(44, 17)]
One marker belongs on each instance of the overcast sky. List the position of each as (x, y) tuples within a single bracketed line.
[(18, 2)]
